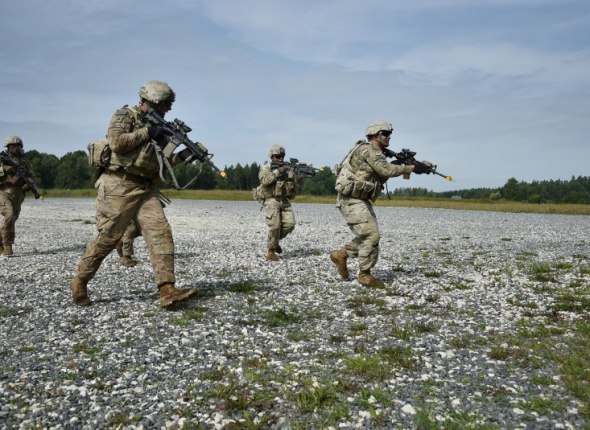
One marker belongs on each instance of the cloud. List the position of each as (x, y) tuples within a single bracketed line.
[(451, 63), (476, 87)]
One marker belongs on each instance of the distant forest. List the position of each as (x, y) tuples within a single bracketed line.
[(72, 171)]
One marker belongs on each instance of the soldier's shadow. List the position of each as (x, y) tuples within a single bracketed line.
[(52, 251), (204, 295), (304, 253)]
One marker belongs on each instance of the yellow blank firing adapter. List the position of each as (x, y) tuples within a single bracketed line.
[(223, 174), (449, 178)]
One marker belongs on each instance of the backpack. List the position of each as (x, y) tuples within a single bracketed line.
[(258, 194), (99, 153)]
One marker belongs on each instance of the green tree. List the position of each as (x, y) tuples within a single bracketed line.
[(45, 167), (322, 184), (74, 171)]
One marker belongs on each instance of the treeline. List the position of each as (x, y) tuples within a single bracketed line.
[(576, 190), (72, 171)]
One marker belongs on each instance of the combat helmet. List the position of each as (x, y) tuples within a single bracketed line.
[(157, 92), (377, 126), (276, 150), (13, 140)]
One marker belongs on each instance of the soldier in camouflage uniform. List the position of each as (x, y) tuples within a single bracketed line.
[(12, 192), (127, 190), (360, 180), (278, 187)]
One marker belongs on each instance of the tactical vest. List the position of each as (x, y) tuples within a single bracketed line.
[(278, 189), (348, 184), (142, 160)]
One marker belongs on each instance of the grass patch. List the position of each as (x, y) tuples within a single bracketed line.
[(190, 315), (118, 419), (400, 356), (404, 332), (87, 349), (315, 397), (542, 272), (368, 367), (6, 311), (499, 353), (457, 286), (357, 329), (468, 342), (280, 317), (571, 354), (243, 287)]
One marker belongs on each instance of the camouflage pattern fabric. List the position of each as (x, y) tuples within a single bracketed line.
[(10, 206), (367, 164), (277, 191), (12, 196), (362, 221), (280, 220), (131, 233), (129, 194), (118, 202)]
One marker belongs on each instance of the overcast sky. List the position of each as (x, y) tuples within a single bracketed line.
[(485, 89)]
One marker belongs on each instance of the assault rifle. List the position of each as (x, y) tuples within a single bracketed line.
[(21, 171), (303, 170), (177, 132), (405, 156)]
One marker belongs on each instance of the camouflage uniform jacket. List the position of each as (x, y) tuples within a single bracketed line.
[(364, 171), (275, 185), (9, 181), (133, 151)]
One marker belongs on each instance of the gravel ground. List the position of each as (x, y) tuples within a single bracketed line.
[(287, 344)]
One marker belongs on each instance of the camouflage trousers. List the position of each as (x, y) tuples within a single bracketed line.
[(280, 220), (10, 206), (362, 221), (118, 202), (131, 233)]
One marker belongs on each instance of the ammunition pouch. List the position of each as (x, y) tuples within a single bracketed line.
[(142, 161), (258, 194), (279, 190), (349, 186), (99, 153), (357, 189)]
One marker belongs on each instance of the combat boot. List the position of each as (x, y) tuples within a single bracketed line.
[(79, 292), (7, 250), (128, 261), (365, 278), (170, 295), (271, 255), (339, 259)]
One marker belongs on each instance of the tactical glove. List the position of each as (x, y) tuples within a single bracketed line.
[(280, 171), (155, 132)]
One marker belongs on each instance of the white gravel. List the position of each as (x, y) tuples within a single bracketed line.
[(219, 362)]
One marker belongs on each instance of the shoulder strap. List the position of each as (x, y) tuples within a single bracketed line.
[(348, 156)]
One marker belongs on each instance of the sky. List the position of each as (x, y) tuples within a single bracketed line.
[(485, 89)]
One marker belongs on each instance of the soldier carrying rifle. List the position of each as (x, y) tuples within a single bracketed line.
[(279, 183), (16, 178), (360, 179), (131, 171)]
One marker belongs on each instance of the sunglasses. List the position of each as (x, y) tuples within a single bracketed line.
[(385, 133)]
